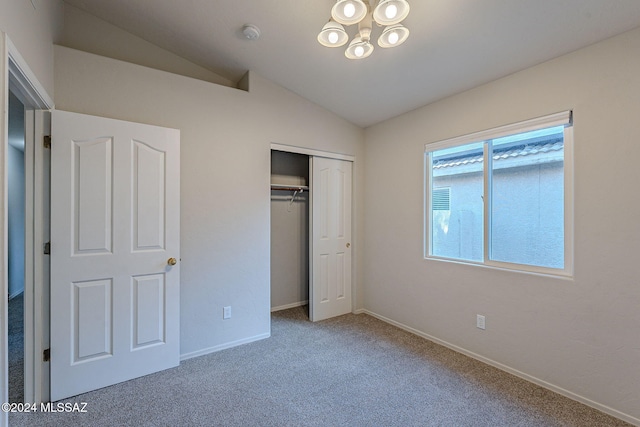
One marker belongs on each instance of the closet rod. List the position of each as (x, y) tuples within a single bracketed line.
[(289, 188)]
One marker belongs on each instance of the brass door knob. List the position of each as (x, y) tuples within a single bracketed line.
[(348, 245), (172, 261)]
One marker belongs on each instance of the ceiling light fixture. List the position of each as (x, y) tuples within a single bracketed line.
[(388, 13), (348, 12), (333, 35), (391, 12), (393, 36)]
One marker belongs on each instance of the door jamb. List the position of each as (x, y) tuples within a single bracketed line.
[(37, 190)]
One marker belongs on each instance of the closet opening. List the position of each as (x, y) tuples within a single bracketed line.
[(311, 239), (290, 203)]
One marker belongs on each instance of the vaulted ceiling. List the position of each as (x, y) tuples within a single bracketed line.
[(454, 45)]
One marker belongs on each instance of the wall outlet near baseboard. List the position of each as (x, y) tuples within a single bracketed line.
[(480, 321), (226, 312)]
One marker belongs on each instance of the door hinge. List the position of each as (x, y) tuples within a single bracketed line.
[(47, 248), (46, 355), (47, 141)]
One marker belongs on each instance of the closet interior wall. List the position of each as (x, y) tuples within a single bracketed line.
[(289, 231)]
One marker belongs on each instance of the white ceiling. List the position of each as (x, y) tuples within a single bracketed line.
[(454, 44)]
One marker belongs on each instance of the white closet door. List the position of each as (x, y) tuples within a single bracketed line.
[(331, 238), (115, 218)]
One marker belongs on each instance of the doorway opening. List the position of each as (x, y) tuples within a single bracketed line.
[(16, 247), (28, 102), (290, 231), (311, 222)]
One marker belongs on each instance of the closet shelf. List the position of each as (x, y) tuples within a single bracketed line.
[(285, 187)]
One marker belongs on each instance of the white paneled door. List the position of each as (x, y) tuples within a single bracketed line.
[(331, 238), (115, 246)]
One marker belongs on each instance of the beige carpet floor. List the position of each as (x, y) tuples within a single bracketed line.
[(16, 348), (353, 370)]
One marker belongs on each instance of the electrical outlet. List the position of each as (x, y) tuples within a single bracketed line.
[(480, 321), (226, 312)]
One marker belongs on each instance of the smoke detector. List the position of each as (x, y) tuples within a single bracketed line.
[(251, 32)]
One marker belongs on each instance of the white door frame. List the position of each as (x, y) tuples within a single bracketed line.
[(37, 175), (338, 156), (18, 77)]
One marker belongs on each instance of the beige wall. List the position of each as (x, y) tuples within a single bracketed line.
[(33, 27), (225, 180), (579, 335), (83, 31)]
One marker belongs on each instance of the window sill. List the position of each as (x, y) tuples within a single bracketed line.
[(526, 269)]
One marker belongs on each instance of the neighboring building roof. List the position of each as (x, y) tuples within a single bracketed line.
[(510, 153)]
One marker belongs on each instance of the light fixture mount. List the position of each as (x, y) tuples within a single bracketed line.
[(387, 13)]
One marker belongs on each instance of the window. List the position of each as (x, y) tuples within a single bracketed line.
[(503, 197)]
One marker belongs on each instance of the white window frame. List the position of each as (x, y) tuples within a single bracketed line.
[(565, 119)]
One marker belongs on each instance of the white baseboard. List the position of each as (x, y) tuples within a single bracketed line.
[(600, 407), (224, 346), (288, 306)]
